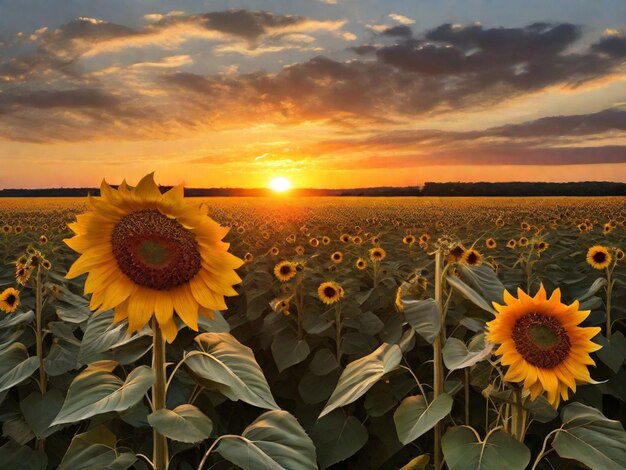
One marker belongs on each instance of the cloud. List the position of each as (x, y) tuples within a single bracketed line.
[(398, 31), (401, 18)]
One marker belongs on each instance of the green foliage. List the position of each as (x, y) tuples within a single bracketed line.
[(185, 423), (415, 416)]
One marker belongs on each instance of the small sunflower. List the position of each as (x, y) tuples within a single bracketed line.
[(408, 240), (43, 239), (598, 257), (456, 253), (499, 222), (511, 243), (619, 254), (325, 240), (490, 243), (357, 240), (424, 237), (285, 270), (523, 241), (330, 292), (542, 344), (336, 257), (300, 250), (248, 257), (7, 229), (274, 251), (472, 258), (361, 264), (9, 300), (375, 240), (22, 274), (344, 238), (377, 254), (314, 242), (149, 255), (542, 246)]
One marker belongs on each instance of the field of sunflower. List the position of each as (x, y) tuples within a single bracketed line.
[(147, 330)]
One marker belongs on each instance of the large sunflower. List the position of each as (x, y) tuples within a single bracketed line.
[(149, 254), (598, 257), (542, 344)]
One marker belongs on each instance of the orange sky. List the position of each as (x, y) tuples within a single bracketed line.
[(329, 97)]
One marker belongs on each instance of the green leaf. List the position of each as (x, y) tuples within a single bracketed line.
[(96, 391), (15, 456), (274, 441), (16, 319), (469, 293), (590, 438), (226, 365), (418, 463), (485, 280), (595, 287), (613, 353), (16, 366), (424, 317), (217, 324), (463, 450), (102, 335), (413, 417), (40, 410), (288, 350), (95, 450), (185, 423), (359, 376), (323, 362), (456, 354), (337, 437)]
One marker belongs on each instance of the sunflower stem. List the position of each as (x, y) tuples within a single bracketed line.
[(338, 331), (466, 386), (160, 451), (518, 415), (43, 381), (438, 372), (609, 291)]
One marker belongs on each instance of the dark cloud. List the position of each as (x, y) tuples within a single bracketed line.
[(80, 98), (614, 46), (398, 31)]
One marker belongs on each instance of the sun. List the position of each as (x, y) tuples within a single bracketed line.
[(280, 184)]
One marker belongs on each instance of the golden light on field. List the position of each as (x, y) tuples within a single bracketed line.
[(280, 184)]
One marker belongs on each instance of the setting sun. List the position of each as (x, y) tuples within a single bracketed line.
[(280, 185)]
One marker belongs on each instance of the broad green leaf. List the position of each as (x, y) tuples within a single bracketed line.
[(288, 350), (337, 437), (413, 417), (424, 317), (591, 438), (16, 318), (595, 287), (463, 450), (19, 372), (359, 376), (185, 423), (456, 354), (485, 280), (469, 293), (96, 391), (226, 365), (613, 353), (40, 410), (323, 362), (418, 463), (102, 335), (274, 441), (95, 450), (15, 456), (217, 324)]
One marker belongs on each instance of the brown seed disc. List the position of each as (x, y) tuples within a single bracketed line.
[(541, 340), (155, 251)]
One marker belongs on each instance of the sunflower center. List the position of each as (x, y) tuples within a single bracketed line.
[(599, 257), (541, 340), (285, 269), (329, 291), (11, 299), (155, 251), (472, 258)]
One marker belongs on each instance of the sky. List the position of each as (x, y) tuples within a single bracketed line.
[(327, 93)]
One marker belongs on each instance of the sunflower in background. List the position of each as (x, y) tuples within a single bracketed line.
[(285, 270), (149, 255), (9, 300), (361, 264), (491, 243), (377, 254), (542, 344), (330, 292), (598, 257), (472, 258)]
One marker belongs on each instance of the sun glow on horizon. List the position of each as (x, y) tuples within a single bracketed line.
[(280, 184)]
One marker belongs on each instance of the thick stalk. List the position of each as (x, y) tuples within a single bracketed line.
[(466, 386), (39, 331), (609, 291), (160, 452), (438, 372), (299, 308), (43, 381), (338, 331), (518, 415)]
